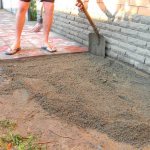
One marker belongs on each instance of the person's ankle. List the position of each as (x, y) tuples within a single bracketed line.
[(45, 43), (15, 45)]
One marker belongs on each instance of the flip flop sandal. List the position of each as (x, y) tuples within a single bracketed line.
[(12, 51), (49, 49)]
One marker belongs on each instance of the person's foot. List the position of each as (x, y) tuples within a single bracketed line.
[(48, 47), (13, 49), (37, 27)]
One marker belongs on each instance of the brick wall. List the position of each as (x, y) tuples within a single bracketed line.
[(124, 23)]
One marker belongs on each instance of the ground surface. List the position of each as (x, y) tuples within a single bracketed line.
[(78, 101), (75, 102)]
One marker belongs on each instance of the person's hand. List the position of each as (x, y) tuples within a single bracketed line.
[(79, 5)]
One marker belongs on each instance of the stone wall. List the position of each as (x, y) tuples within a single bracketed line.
[(124, 23)]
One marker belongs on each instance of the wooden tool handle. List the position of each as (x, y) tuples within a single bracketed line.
[(89, 18)]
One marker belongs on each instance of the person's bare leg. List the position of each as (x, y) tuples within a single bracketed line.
[(20, 20), (47, 22)]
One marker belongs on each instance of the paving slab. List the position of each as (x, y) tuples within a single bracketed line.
[(31, 42)]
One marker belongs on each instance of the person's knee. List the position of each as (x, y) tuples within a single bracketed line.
[(23, 9), (48, 6), (49, 12)]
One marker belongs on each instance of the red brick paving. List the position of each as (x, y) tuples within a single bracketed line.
[(31, 42)]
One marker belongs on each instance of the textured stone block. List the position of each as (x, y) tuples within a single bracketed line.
[(147, 61), (148, 45), (113, 28), (86, 32), (119, 36), (143, 51), (73, 32), (145, 20), (83, 36), (86, 43), (122, 23), (136, 42), (127, 46), (138, 26), (144, 36), (78, 39), (126, 59), (81, 20), (136, 18), (80, 25), (111, 54), (129, 32), (112, 41), (105, 32), (142, 67), (108, 46), (118, 50), (61, 14), (135, 56), (101, 25), (70, 17)]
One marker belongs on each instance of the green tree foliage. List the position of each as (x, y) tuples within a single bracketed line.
[(33, 11)]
